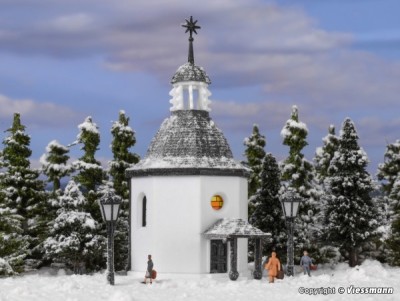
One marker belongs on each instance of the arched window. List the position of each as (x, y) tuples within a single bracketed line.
[(144, 211)]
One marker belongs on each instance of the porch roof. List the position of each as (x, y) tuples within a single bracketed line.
[(234, 228)]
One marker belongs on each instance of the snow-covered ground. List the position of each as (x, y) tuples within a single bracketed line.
[(44, 286)]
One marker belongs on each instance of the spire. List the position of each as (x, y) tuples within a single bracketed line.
[(191, 27), (190, 82)]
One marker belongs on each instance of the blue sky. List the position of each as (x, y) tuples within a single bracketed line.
[(62, 60)]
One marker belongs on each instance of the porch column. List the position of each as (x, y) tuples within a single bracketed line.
[(233, 273), (257, 260)]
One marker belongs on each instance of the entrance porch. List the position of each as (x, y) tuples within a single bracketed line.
[(229, 230)]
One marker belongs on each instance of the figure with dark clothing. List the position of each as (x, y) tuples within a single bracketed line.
[(149, 270), (306, 262)]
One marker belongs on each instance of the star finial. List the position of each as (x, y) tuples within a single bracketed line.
[(191, 28)]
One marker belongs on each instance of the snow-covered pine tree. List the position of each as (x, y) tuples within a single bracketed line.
[(123, 140), (1, 160), (13, 244), (90, 172), (72, 235), (322, 160), (54, 163), (394, 238), (350, 215), (267, 215), (255, 154), (389, 174), (21, 187), (55, 167), (298, 175), (324, 154)]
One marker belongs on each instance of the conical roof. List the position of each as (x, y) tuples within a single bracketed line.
[(188, 142), (190, 72)]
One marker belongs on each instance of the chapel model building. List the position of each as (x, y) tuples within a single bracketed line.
[(188, 192)]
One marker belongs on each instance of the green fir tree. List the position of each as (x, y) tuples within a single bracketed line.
[(351, 217), (298, 175), (73, 238), (14, 245), (389, 174), (267, 215), (90, 173), (22, 190), (123, 140), (255, 154), (54, 164), (324, 154)]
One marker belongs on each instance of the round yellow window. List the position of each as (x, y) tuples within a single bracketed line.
[(217, 202)]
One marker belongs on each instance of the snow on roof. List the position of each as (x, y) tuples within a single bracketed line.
[(188, 162), (234, 227), (190, 72), (189, 139)]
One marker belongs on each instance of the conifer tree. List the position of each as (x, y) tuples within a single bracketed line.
[(324, 154), (73, 238), (255, 154), (1, 160), (394, 237), (123, 140), (90, 172), (13, 244), (267, 215), (389, 174), (54, 163), (298, 175), (351, 215), (23, 191), (322, 160)]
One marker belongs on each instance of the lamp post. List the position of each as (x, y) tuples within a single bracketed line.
[(109, 206), (290, 205)]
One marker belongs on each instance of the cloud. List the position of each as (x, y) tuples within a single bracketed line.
[(241, 43), (43, 114), (271, 114), (375, 130), (71, 23), (241, 116), (279, 49)]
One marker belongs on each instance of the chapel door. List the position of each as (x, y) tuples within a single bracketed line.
[(219, 259)]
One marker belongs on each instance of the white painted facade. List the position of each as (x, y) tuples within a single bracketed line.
[(178, 212)]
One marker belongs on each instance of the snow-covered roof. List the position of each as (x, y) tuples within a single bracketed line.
[(190, 72), (189, 140), (234, 227)]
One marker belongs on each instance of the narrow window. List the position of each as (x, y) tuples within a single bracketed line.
[(144, 212)]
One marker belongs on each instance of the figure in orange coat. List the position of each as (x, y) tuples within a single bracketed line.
[(273, 266)]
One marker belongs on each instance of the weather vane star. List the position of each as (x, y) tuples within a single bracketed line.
[(191, 26)]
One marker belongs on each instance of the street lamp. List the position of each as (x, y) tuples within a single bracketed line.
[(109, 206), (290, 205)]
